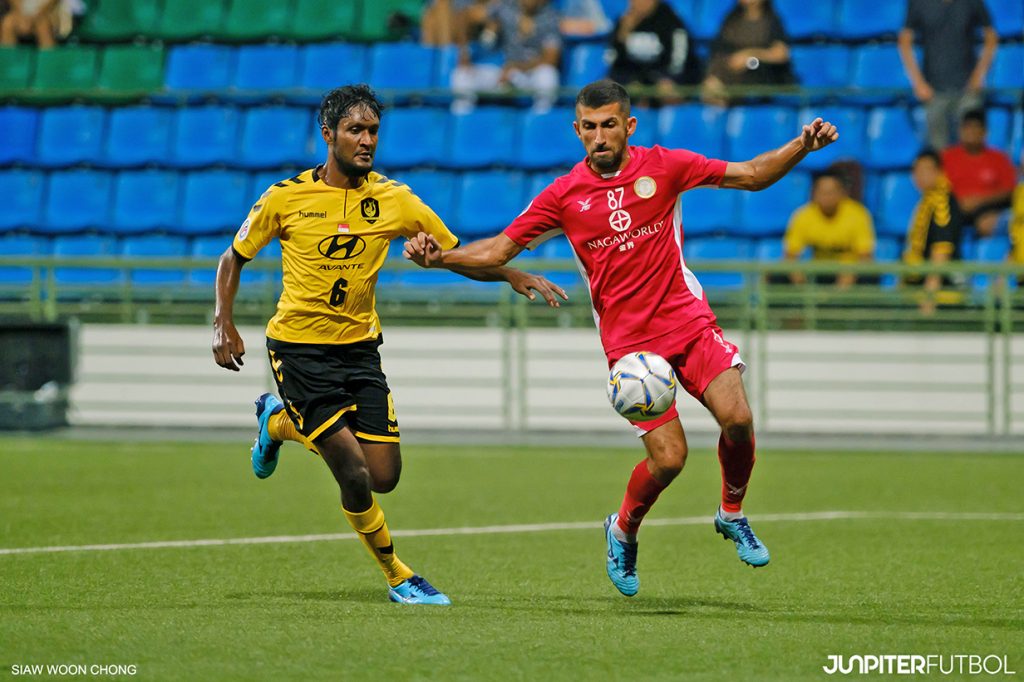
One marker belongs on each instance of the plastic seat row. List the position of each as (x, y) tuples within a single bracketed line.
[(473, 203), (115, 70), (844, 19), (243, 20), (275, 136)]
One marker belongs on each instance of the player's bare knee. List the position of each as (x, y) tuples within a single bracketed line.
[(385, 483), (738, 425), (667, 464)]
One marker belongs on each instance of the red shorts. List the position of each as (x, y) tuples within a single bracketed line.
[(696, 361)]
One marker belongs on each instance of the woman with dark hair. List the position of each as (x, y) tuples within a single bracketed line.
[(750, 49)]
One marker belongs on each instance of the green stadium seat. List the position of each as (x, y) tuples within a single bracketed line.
[(66, 71), (188, 19), (15, 68), (255, 19), (323, 20), (120, 19), (373, 24), (132, 69)]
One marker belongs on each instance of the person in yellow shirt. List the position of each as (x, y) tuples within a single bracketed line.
[(834, 226), (1017, 220), (335, 223)]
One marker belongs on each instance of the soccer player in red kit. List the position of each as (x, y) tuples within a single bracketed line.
[(620, 210)]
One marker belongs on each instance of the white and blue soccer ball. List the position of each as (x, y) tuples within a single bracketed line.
[(642, 386)]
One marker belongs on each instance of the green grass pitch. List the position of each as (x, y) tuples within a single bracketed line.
[(527, 605)]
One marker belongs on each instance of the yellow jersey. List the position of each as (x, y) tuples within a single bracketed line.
[(1017, 225), (333, 244), (846, 236)]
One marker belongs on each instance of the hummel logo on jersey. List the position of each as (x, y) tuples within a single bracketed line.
[(312, 214), (584, 204)]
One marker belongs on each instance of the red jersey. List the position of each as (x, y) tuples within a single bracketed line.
[(626, 231), (978, 175)]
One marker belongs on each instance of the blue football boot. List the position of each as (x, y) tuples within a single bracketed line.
[(621, 560), (265, 448), (750, 549), (416, 590)]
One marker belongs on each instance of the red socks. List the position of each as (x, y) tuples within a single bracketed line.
[(737, 461), (641, 492)]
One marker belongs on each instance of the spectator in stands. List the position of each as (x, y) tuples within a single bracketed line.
[(982, 177), (953, 76), (583, 18), (935, 228), (43, 20), (834, 226), (527, 31), (750, 49), (453, 22), (1017, 220), (652, 46)]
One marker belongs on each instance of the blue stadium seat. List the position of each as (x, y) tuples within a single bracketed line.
[(327, 65), (537, 182), (155, 246), (145, 200), (70, 135), (137, 136), (999, 124), (802, 19), (21, 245), (205, 136), (896, 201), (1008, 72), (646, 134), (708, 19), (878, 66), (766, 213), (214, 201), (487, 202), (858, 19), (549, 140), (1007, 18), (401, 65), (706, 211), (753, 130), (444, 63), (497, 126), (22, 191), (892, 139), (200, 67), (211, 247), (276, 136), (84, 246), (584, 63), (888, 250), (685, 9), (18, 126), (720, 248), (261, 181), (821, 66), (267, 67), (412, 136), (436, 189), (693, 126), (77, 200), (613, 9), (990, 250), (1017, 135), (850, 145), (768, 250)]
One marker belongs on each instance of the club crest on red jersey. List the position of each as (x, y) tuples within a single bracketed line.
[(645, 187)]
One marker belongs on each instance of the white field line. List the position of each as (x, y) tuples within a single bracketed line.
[(521, 528)]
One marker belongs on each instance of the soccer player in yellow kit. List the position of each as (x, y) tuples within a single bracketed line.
[(335, 223)]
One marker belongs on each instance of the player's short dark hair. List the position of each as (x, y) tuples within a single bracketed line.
[(829, 173), (929, 154), (337, 103), (975, 116), (602, 92)]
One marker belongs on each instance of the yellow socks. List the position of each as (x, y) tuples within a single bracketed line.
[(281, 427), (373, 531)]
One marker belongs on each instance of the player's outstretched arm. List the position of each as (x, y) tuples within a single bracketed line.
[(483, 260), (228, 347), (764, 170)]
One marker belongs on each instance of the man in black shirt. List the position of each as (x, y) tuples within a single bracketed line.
[(652, 46), (953, 76)]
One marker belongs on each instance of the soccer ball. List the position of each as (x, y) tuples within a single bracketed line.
[(642, 386)]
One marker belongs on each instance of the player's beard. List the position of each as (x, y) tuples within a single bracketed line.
[(350, 169), (606, 166)]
